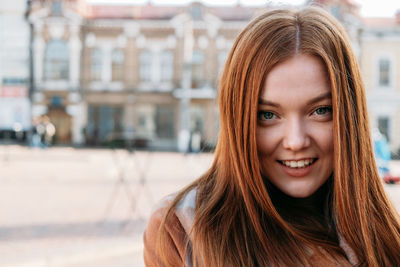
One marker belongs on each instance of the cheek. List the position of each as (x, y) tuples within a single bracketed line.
[(327, 139), (266, 141), (323, 136)]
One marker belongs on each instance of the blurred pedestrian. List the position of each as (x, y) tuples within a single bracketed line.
[(293, 182), (50, 131), (195, 141), (39, 132), (35, 137)]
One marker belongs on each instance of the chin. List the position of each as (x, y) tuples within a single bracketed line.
[(299, 192)]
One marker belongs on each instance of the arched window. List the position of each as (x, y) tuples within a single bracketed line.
[(56, 61), (167, 66), (117, 64), (145, 59), (384, 72), (197, 69), (96, 64)]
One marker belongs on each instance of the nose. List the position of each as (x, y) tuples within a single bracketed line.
[(296, 137)]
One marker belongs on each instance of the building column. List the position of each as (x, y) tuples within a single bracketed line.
[(75, 47), (78, 113), (38, 107)]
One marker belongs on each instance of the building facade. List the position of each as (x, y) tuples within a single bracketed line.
[(376, 42), (149, 74), (14, 70), (380, 66), (56, 60), (112, 73), (347, 12)]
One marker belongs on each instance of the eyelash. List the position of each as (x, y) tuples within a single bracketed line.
[(261, 114)]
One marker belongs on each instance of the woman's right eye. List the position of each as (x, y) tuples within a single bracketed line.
[(265, 115)]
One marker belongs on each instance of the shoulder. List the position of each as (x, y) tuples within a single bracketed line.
[(177, 229)]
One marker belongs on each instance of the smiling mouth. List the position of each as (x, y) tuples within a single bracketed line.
[(298, 164)]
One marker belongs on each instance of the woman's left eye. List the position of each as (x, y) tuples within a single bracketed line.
[(323, 110)]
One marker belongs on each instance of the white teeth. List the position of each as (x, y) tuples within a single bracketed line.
[(298, 164)]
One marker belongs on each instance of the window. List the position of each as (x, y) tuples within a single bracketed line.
[(383, 126), (167, 66), (56, 8), (384, 72), (13, 81), (117, 62), (103, 122), (165, 122), (56, 101), (56, 66), (146, 121), (145, 60), (196, 12), (96, 61), (197, 69), (197, 115)]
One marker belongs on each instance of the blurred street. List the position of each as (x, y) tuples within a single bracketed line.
[(88, 207), (83, 207)]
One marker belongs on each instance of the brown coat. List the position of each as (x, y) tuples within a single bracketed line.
[(175, 238), (179, 225)]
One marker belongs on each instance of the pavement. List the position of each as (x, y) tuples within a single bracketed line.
[(89, 207), (83, 207)]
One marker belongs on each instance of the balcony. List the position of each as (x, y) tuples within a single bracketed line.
[(150, 86), (197, 93), (55, 85), (106, 86)]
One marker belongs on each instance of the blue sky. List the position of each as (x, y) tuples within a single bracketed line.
[(370, 8)]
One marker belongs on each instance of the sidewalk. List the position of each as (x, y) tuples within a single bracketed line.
[(83, 207), (72, 252)]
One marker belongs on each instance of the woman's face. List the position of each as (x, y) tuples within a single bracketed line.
[(294, 131)]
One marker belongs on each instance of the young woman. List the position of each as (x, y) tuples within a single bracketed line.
[(294, 182)]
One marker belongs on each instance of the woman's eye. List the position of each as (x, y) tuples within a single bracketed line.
[(323, 110), (265, 115)]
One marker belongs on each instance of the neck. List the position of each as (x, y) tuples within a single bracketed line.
[(291, 207), (311, 216)]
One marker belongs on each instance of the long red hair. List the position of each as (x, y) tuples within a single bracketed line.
[(236, 222)]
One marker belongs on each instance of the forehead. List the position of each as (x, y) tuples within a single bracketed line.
[(300, 76)]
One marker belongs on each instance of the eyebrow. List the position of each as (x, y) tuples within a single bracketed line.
[(314, 100), (327, 95)]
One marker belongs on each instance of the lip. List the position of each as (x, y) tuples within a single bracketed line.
[(297, 172)]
